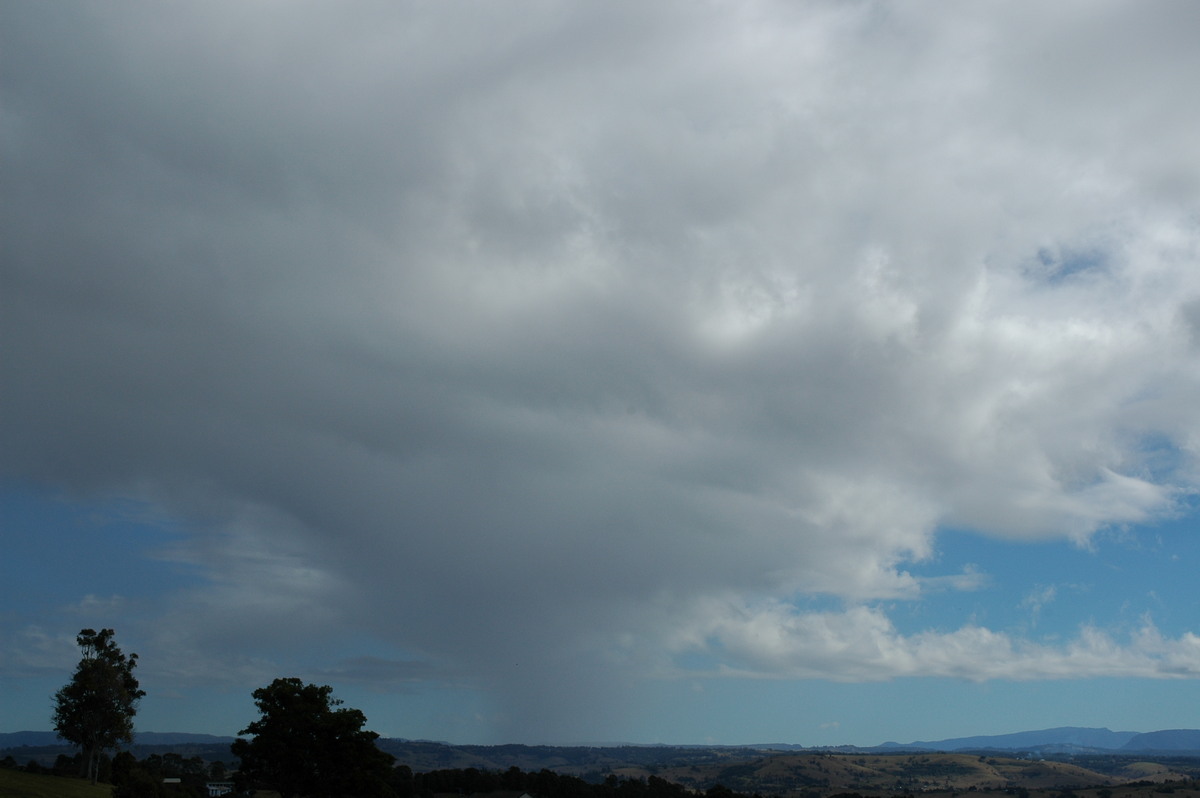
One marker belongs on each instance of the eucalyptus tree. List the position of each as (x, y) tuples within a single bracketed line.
[(95, 709)]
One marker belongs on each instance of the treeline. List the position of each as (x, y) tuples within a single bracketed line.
[(134, 778), (542, 784)]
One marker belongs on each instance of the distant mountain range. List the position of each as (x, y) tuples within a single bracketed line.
[(46, 738), (1065, 739)]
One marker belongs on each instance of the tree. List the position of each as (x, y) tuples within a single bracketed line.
[(95, 709), (305, 747)]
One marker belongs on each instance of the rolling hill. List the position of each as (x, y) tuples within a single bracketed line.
[(1064, 739)]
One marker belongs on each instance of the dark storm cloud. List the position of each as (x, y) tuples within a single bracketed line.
[(546, 342)]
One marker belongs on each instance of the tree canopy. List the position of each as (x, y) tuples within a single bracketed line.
[(305, 746), (95, 709)]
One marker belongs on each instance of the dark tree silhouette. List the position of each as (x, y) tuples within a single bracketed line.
[(95, 709), (305, 747)]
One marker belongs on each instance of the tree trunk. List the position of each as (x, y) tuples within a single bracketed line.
[(93, 755)]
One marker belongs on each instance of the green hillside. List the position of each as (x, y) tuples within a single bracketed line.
[(803, 774), (18, 784)]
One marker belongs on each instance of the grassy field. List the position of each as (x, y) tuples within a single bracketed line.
[(794, 775), (17, 784)]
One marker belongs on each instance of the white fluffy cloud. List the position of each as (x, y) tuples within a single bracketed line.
[(549, 329), (861, 644)]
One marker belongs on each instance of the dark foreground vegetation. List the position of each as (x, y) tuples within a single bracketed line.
[(173, 776), (716, 773), (117, 776)]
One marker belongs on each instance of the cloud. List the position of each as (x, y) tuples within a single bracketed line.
[(970, 579), (33, 651), (524, 340), (861, 644), (97, 607), (378, 672), (1040, 597)]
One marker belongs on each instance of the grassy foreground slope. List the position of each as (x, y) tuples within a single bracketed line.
[(807, 774), (18, 784)]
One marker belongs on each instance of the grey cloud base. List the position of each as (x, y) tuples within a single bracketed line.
[(547, 347)]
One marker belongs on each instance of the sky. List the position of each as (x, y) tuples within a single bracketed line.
[(684, 372)]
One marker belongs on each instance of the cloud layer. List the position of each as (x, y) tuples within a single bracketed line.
[(550, 343)]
